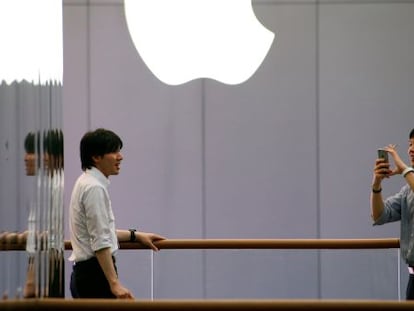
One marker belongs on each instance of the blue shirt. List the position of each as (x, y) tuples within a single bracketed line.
[(401, 207)]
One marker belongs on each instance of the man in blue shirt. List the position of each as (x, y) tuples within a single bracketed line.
[(398, 207)]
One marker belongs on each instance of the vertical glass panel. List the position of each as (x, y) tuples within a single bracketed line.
[(277, 274), (31, 149)]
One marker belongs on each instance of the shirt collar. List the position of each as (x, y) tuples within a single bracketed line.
[(98, 175)]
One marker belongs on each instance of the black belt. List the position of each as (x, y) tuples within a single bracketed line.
[(90, 262)]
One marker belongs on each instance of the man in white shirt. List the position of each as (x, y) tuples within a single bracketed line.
[(94, 236)]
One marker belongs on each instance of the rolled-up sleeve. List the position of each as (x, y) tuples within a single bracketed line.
[(392, 210)]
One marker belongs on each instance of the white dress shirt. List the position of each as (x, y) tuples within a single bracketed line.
[(91, 220)]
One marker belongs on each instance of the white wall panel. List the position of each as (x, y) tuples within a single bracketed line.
[(261, 163), (75, 97)]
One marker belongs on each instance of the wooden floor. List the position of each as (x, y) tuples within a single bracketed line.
[(206, 304)]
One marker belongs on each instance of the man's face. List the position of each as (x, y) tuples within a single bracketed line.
[(30, 162), (46, 160), (109, 163), (411, 150)]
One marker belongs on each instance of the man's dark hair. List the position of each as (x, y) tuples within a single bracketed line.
[(412, 134), (53, 142), (29, 143), (98, 143)]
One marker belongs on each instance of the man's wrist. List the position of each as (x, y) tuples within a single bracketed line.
[(376, 189), (406, 171), (132, 236)]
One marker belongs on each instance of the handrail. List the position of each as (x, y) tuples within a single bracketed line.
[(271, 244), (247, 244)]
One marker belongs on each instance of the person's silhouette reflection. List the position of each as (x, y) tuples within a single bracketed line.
[(47, 164), (32, 165)]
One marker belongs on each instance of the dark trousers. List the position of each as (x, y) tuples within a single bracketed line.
[(88, 280), (56, 273), (410, 288)]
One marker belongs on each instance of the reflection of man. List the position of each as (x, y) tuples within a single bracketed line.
[(51, 238), (30, 156), (53, 161), (32, 166)]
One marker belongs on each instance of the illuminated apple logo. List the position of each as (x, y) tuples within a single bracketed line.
[(183, 40)]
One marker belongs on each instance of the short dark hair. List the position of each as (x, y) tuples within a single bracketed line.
[(98, 143), (412, 134), (29, 143), (53, 142)]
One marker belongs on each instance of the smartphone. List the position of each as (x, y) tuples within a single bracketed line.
[(383, 154)]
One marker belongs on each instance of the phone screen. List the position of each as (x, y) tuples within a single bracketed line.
[(383, 154)]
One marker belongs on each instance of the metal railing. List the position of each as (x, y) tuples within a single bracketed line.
[(13, 243)]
